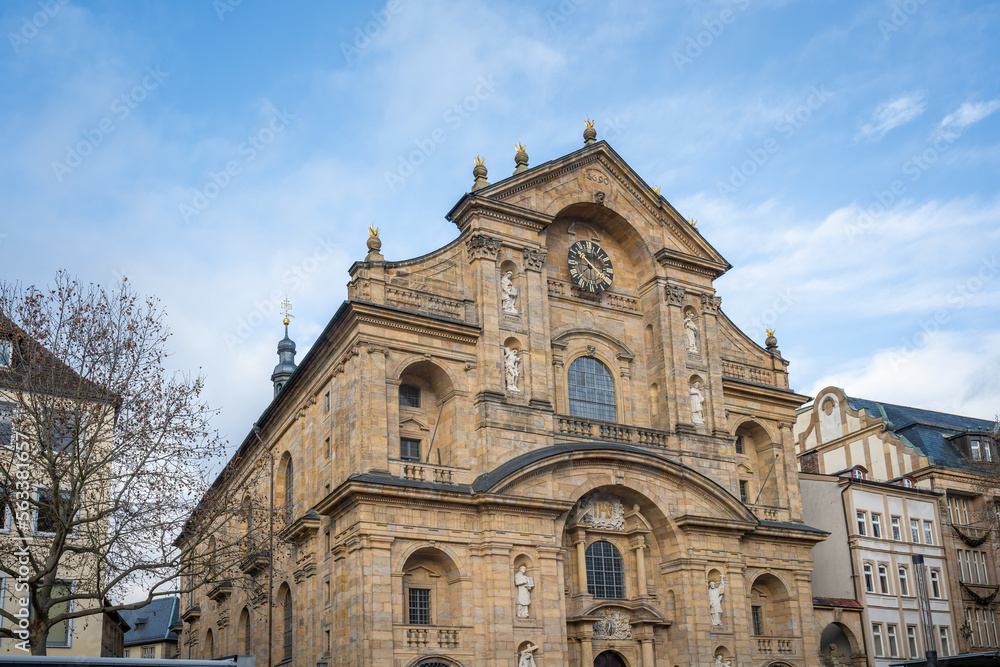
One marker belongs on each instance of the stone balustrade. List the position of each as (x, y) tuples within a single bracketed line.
[(776, 645), (592, 428), (428, 636)]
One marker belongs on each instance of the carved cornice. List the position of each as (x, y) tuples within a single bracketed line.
[(482, 246), (693, 263)]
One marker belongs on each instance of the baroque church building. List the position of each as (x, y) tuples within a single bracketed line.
[(542, 444)]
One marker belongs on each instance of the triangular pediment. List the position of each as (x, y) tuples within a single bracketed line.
[(594, 176)]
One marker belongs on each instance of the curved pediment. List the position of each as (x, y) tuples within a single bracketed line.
[(593, 459), (562, 339)]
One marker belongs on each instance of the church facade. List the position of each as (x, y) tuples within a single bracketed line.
[(542, 444)]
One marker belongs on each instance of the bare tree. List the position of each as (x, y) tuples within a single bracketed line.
[(105, 457)]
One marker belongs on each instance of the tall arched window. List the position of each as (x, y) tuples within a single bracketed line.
[(605, 573), (209, 645), (591, 390), (244, 629), (288, 490), (287, 602)]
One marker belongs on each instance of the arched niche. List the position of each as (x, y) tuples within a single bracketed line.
[(423, 400), (432, 584), (753, 446), (284, 487), (772, 612)]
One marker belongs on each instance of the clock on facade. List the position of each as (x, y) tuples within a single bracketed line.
[(590, 267)]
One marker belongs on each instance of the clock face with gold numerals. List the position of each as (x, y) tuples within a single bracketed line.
[(590, 267)]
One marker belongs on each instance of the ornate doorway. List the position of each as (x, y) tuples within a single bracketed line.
[(609, 659)]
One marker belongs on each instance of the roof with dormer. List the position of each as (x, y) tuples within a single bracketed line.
[(929, 431)]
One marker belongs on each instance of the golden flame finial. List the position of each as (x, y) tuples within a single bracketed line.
[(520, 147), (693, 222), (769, 332), (479, 161), (590, 123), (286, 307), (372, 231), (656, 189)]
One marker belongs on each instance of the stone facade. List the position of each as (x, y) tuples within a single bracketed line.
[(438, 442)]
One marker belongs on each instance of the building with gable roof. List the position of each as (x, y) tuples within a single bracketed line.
[(911, 483), (152, 633), (543, 443)]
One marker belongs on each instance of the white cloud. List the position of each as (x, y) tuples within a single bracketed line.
[(954, 372), (969, 114), (890, 115)]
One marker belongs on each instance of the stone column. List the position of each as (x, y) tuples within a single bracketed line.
[(534, 315), (639, 546), (581, 561), (648, 654), (586, 653)]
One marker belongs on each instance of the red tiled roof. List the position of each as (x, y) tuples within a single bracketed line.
[(845, 603)]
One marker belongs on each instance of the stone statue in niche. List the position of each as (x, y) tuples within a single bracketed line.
[(524, 584), (512, 368), (526, 658), (691, 333), (697, 401), (719, 663), (716, 589), (508, 293)]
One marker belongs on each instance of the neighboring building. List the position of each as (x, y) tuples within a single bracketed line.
[(97, 635), (543, 438), (152, 634), (911, 483)]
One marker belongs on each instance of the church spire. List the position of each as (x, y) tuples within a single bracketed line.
[(286, 353)]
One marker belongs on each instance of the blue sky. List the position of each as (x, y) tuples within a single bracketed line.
[(843, 156)]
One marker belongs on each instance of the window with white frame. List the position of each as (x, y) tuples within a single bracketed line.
[(945, 643), (858, 472), (911, 641), (883, 579), (876, 524), (869, 578), (974, 447), (904, 583), (60, 634), (959, 508), (862, 524), (51, 515), (877, 640), (928, 532), (915, 531), (7, 425), (894, 524), (6, 348), (890, 636), (935, 584)]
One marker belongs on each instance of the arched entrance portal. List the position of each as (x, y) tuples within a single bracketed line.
[(609, 659)]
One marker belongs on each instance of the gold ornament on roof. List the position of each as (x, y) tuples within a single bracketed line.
[(520, 147), (693, 222), (769, 332), (286, 307), (372, 231), (590, 123), (479, 161), (656, 189)]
